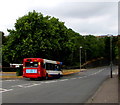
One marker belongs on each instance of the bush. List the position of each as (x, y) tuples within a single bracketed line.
[(19, 72), (9, 69)]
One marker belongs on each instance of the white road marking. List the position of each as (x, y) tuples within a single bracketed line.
[(83, 76), (5, 90), (17, 86), (32, 85), (22, 85), (97, 72), (64, 80), (50, 81), (73, 78), (10, 80), (92, 74)]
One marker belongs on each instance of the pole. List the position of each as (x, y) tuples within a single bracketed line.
[(119, 56), (85, 56), (111, 56), (80, 56)]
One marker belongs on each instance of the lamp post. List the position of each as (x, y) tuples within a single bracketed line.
[(111, 56), (85, 56), (111, 63), (80, 56)]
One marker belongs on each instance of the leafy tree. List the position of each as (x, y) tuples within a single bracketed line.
[(41, 36), (36, 36)]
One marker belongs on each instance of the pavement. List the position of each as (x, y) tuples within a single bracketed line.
[(107, 92)]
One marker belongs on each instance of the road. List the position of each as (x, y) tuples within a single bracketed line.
[(75, 88)]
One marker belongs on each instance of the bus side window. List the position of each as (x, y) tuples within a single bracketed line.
[(52, 67), (57, 68), (47, 66)]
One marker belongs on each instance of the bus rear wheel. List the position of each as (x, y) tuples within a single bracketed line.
[(32, 78), (46, 77)]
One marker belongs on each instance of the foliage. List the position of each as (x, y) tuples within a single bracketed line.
[(41, 36), (36, 36)]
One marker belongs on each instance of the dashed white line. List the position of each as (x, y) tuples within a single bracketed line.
[(64, 80), (97, 72), (5, 90), (50, 81), (22, 85), (73, 78), (10, 80), (32, 85)]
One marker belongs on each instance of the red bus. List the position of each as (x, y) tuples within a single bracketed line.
[(41, 68)]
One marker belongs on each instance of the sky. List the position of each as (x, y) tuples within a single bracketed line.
[(95, 17)]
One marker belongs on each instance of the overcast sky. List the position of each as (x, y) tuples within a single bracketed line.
[(95, 17)]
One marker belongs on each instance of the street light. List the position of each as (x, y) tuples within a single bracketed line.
[(110, 55), (80, 56)]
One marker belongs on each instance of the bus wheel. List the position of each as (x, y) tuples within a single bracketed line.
[(58, 76), (32, 78), (46, 77), (38, 79)]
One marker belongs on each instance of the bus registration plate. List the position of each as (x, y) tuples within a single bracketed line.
[(31, 70)]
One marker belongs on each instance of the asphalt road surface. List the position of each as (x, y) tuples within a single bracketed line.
[(75, 88)]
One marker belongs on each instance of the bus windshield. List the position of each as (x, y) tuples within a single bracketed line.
[(31, 64)]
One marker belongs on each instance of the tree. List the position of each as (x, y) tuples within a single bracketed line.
[(46, 37), (36, 35)]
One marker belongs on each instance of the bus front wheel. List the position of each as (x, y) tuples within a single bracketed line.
[(58, 76)]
